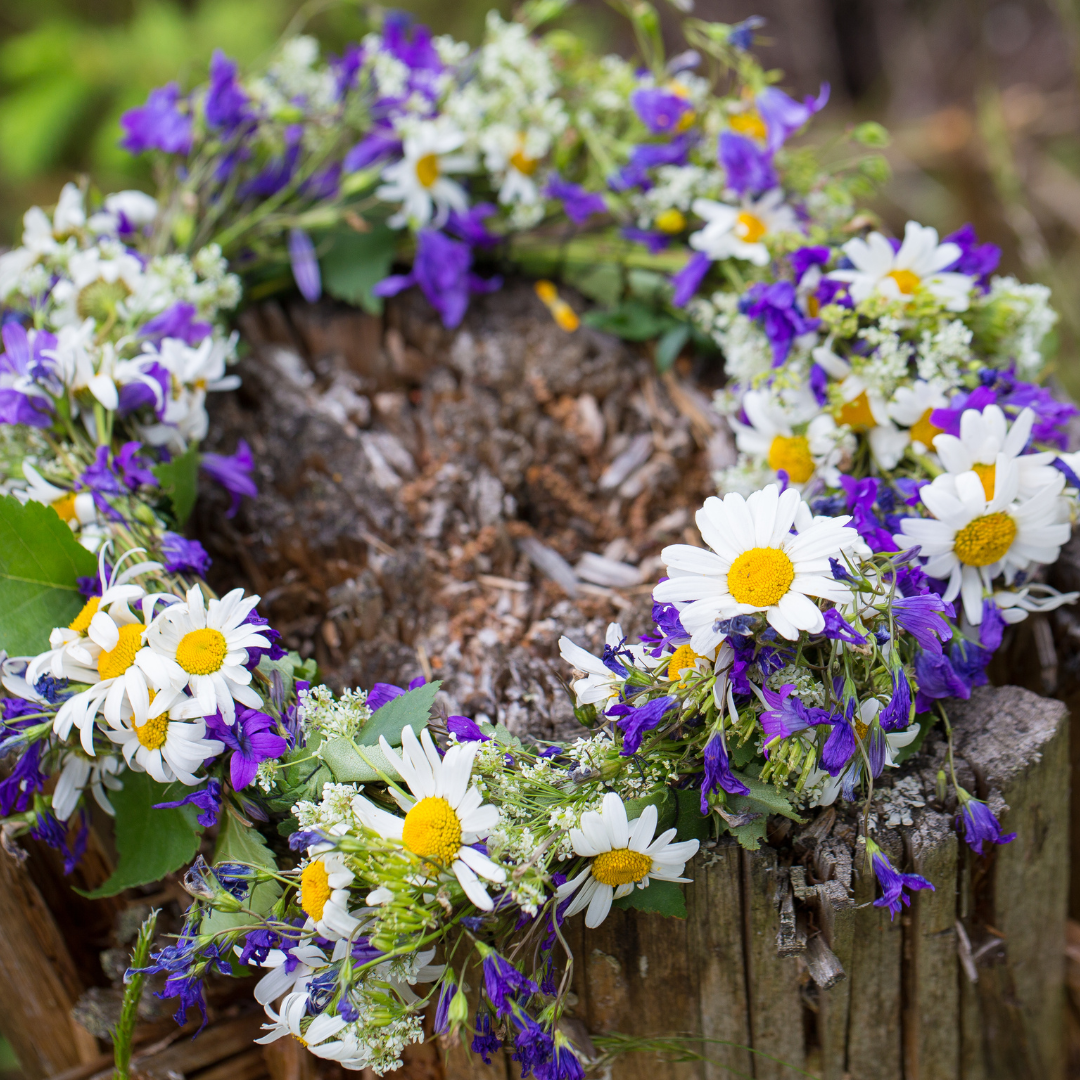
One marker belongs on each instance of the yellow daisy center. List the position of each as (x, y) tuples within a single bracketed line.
[(749, 227), (906, 281), (760, 576), (524, 164), (81, 623), (117, 660), (924, 431), (857, 414), (813, 306), (985, 540), (314, 889), (750, 124), (861, 729), (988, 475), (427, 169), (202, 652), (671, 221), (682, 658), (65, 507), (433, 830), (620, 866), (154, 732), (792, 454)]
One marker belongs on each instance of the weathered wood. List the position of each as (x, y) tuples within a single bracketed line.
[(39, 983)]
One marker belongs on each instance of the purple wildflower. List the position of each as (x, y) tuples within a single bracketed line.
[(787, 714), (976, 260), (251, 739), (775, 307), (177, 321), (233, 473), (806, 257), (150, 392), (893, 883), (935, 678), (564, 1064), (689, 278), (485, 1041), (749, 168), (504, 983), (305, 265), (655, 241), (17, 789), (372, 148), (980, 823), (278, 171), (636, 720), (718, 774), (20, 362), (533, 1045), (646, 156), (660, 110), (578, 203), (55, 833), (226, 103), (783, 115), (465, 729), (741, 35), (861, 495), (923, 618), (837, 628), (896, 716), (158, 125), (470, 226), (183, 556), (442, 1010), (207, 799)]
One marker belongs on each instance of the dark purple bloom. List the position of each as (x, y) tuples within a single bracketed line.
[(151, 392), (660, 110), (748, 167), (17, 789), (252, 740), (949, 419), (485, 1041), (23, 359), (839, 629), (207, 799), (373, 147), (258, 944), (979, 823), (923, 618), (689, 278), (841, 743), (563, 1065), (935, 678), (183, 556), (893, 883), (1013, 395), (533, 1045), (504, 983), (718, 774), (226, 103), (862, 494), (669, 629), (305, 265), (646, 156), (158, 125), (410, 42), (381, 693), (177, 321), (896, 716), (784, 115), (278, 171), (305, 838), (127, 472), (636, 720), (741, 35), (442, 1010), (233, 473), (578, 203), (442, 269), (775, 308), (969, 661), (787, 714), (346, 67), (465, 729), (655, 241), (976, 260), (55, 834), (470, 226), (805, 257)]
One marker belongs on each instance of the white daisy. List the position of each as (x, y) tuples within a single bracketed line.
[(757, 563), (446, 816), (78, 773), (920, 263), (1015, 605), (159, 740), (733, 232), (600, 683), (279, 978), (135, 208), (912, 407), (621, 855), (75, 508), (286, 1020), (324, 894), (983, 436), (204, 646), (971, 539), (419, 181)]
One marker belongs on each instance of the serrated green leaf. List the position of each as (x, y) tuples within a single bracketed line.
[(354, 262), (179, 479), (503, 736), (40, 560), (151, 842), (690, 822), (349, 767), (769, 799), (752, 833), (238, 842), (413, 708), (662, 897), (742, 755)]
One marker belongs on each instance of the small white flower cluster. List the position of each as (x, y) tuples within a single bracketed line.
[(332, 716)]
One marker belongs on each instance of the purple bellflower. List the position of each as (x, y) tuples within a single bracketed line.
[(177, 321), (636, 720), (533, 1045), (775, 308), (936, 678), (687, 281), (252, 740), (465, 729), (748, 167), (895, 887), (226, 103), (183, 556), (646, 156), (922, 616), (21, 361), (470, 226), (372, 148), (837, 628), (661, 111), (504, 983), (578, 203), (718, 774), (305, 265), (976, 260), (980, 823), (783, 115), (233, 473), (207, 800), (158, 125), (485, 1042)]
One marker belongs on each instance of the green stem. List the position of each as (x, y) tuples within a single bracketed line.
[(124, 1032)]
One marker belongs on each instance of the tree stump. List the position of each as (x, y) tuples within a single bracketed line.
[(966, 984)]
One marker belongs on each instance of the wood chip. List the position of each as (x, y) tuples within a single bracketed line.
[(493, 581)]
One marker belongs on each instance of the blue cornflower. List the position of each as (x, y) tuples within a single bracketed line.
[(893, 883), (979, 823), (503, 982)]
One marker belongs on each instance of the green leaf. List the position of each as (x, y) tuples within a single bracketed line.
[(349, 767), (670, 345), (40, 560), (752, 833), (151, 843), (179, 479), (602, 281), (690, 822), (666, 808), (238, 842), (630, 321), (764, 798), (742, 755), (413, 708), (354, 262), (662, 897)]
